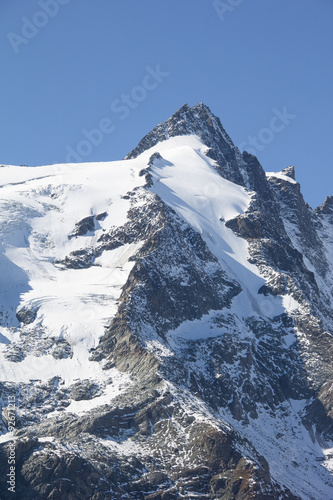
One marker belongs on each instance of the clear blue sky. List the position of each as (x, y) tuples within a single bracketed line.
[(248, 63)]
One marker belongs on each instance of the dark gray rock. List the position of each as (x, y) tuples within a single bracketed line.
[(327, 207), (26, 315), (84, 390), (101, 216), (83, 227), (289, 172)]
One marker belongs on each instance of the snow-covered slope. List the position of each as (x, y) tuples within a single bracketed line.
[(166, 324), (40, 209)]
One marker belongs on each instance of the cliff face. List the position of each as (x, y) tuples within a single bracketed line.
[(167, 325)]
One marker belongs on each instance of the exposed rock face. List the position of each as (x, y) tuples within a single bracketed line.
[(212, 379), (200, 121), (83, 227), (327, 207), (26, 315)]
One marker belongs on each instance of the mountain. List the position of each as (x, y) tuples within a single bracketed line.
[(166, 325)]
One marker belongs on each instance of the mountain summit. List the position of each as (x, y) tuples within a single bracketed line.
[(198, 120), (166, 325), (242, 169)]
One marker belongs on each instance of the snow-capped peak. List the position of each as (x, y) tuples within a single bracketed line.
[(166, 324)]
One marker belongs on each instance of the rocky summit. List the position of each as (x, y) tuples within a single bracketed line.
[(166, 326)]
